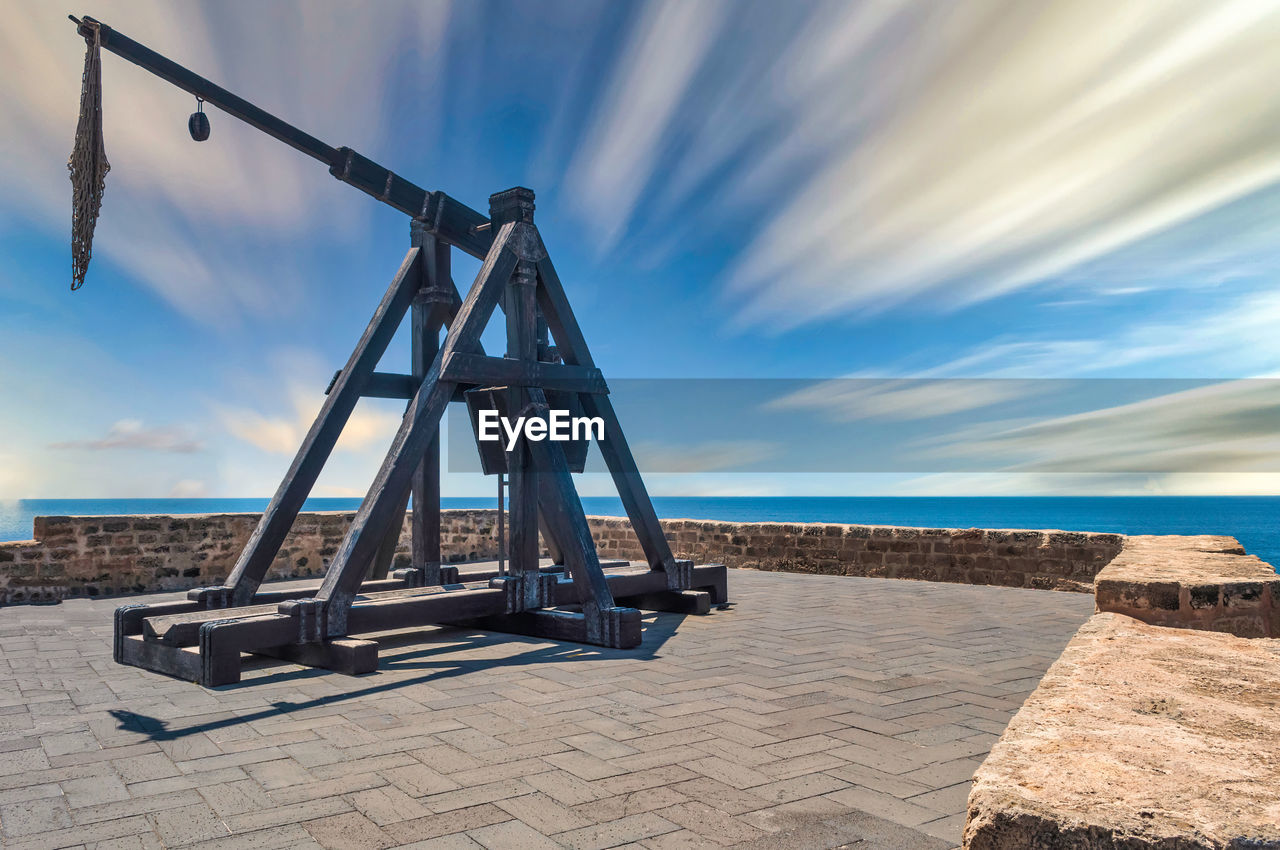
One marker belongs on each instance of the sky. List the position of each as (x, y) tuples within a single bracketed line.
[(927, 192)]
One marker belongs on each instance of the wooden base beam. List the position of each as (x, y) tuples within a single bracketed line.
[(179, 639), (618, 628), (671, 601)]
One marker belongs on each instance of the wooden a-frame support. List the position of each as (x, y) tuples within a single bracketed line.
[(203, 637)]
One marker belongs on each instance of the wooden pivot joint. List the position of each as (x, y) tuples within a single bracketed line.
[(526, 591), (680, 574), (424, 576), (209, 598)]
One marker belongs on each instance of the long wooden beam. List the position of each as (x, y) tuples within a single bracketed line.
[(452, 220)]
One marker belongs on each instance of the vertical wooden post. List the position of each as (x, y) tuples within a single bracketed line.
[(516, 205), (502, 524), (524, 478), (430, 308)]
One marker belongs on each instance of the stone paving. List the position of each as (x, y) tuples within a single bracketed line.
[(817, 711)]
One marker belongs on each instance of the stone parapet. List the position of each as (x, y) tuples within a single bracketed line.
[(1139, 737), (1049, 560), (110, 555), (1198, 582)]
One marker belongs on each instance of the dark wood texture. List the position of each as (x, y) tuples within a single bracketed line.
[(421, 422), (341, 655), (383, 385), (431, 310), (626, 631), (671, 601), (380, 567), (568, 524), (522, 347), (468, 368)]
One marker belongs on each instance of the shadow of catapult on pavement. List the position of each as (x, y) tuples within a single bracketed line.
[(657, 628)]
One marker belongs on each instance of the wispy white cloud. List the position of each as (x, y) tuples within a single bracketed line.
[(1090, 484), (957, 152), (282, 433), (705, 456), (1228, 427), (1237, 339), (624, 143), (134, 434), (188, 488), (849, 400)]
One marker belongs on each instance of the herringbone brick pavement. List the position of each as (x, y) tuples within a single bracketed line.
[(817, 711)]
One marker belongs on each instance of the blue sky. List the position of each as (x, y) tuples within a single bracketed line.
[(729, 189)]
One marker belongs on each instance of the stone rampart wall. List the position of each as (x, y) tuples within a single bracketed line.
[(110, 555)]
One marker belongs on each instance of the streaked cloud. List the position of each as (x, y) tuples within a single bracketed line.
[(849, 400), (188, 488), (1228, 427), (704, 456), (885, 152), (634, 117), (1236, 338), (1090, 484), (135, 435)]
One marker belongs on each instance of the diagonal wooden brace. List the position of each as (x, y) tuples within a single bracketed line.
[(419, 426)]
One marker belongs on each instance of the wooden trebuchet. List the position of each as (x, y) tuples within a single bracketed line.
[(574, 596)]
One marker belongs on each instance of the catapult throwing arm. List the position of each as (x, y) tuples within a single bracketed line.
[(450, 219)]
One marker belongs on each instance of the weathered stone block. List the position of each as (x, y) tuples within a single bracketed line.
[(1139, 738)]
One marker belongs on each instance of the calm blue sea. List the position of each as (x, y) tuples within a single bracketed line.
[(1253, 520)]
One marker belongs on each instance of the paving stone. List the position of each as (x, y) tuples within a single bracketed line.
[(79, 836), (512, 835), (144, 767), (70, 742), (453, 822), (884, 805), (419, 780), (625, 805), (457, 841), (33, 816), (285, 837), (350, 831), (91, 791), (22, 761), (466, 797), (187, 825), (387, 805), (543, 813), (616, 833), (711, 824)]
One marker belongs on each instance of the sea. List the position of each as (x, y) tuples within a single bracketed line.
[(1253, 520)]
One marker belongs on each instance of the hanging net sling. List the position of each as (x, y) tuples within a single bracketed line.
[(88, 163)]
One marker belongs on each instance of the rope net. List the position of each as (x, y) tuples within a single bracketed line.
[(88, 163)]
